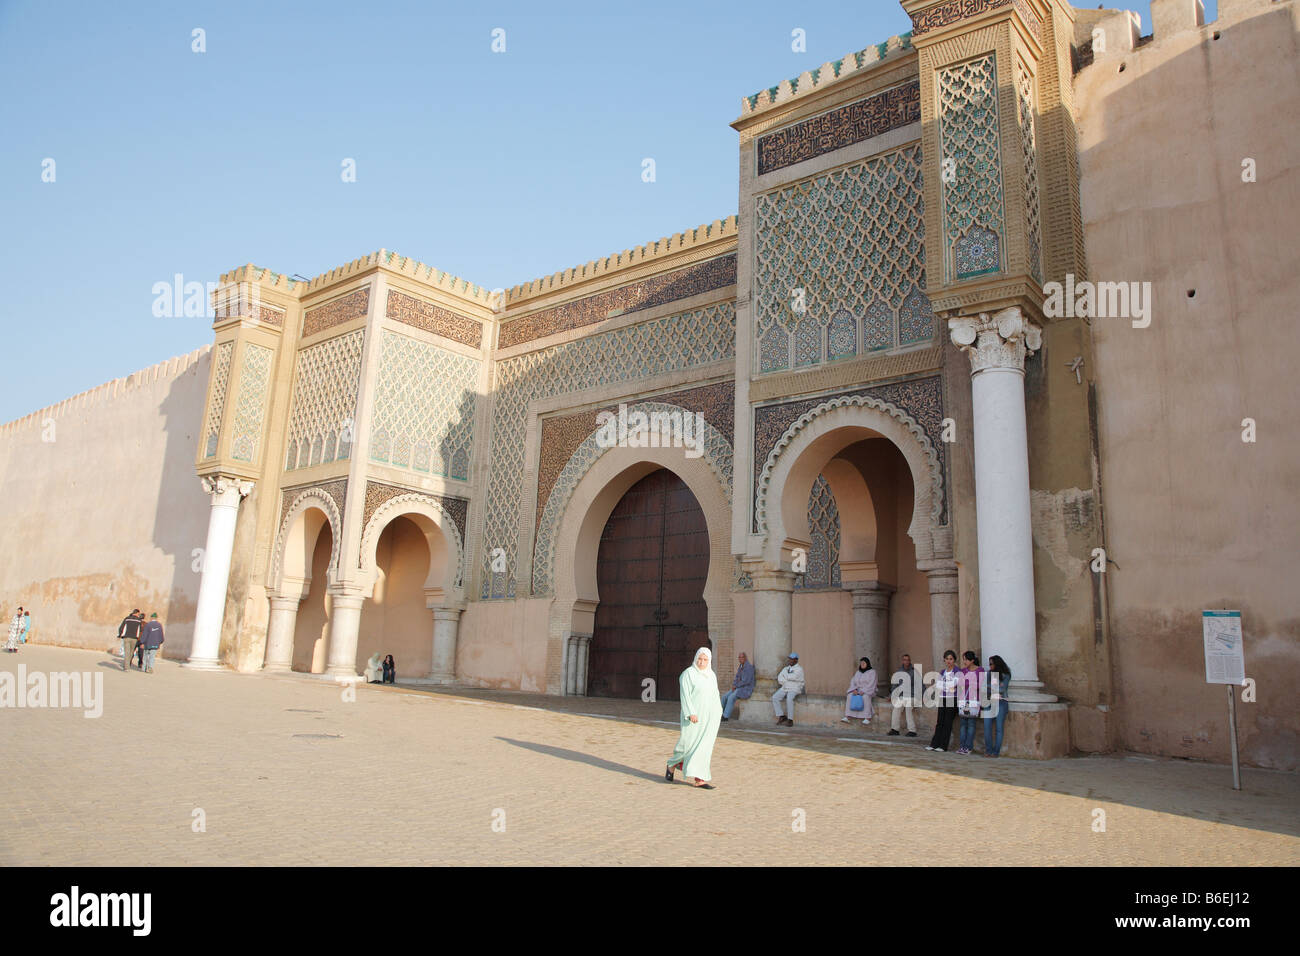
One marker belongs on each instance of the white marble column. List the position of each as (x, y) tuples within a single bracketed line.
[(226, 494), (279, 635), (945, 628), (997, 345), (345, 627), (571, 665), (871, 624), (582, 644), (446, 628), (773, 596)]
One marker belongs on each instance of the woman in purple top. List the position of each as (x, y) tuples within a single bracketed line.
[(968, 705)]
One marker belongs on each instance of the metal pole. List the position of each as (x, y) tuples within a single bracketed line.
[(1232, 730)]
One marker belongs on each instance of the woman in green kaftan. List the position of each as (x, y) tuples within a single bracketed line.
[(701, 715)]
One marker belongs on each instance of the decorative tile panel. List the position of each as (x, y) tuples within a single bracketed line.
[(220, 382), (953, 11), (655, 290), (345, 308), (849, 124), (635, 352), (970, 147), (717, 452), (1028, 146), (325, 387), (379, 492), (561, 435), (433, 318), (424, 404), (250, 404), (921, 398), (824, 552), (852, 240)]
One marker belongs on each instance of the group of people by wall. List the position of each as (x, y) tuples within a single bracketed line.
[(140, 639), (966, 695)]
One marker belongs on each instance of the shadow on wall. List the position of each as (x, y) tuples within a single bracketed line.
[(181, 520)]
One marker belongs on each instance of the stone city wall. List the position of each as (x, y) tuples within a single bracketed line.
[(102, 512)]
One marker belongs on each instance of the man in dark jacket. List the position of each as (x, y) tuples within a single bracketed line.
[(151, 640), (128, 632)]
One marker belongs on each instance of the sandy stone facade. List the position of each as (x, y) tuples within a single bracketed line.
[(902, 445)]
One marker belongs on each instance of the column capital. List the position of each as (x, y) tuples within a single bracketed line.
[(226, 489), (446, 614), (346, 595), (996, 340), (870, 594), (765, 579)]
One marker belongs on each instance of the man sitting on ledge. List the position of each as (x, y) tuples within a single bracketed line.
[(791, 681)]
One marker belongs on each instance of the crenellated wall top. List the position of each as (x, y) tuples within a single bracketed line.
[(829, 72)]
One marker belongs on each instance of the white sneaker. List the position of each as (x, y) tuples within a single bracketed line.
[(928, 747), (845, 720)]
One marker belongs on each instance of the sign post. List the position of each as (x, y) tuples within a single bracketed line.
[(1225, 663)]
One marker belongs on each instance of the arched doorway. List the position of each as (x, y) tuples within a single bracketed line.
[(312, 624), (651, 568), (395, 617)]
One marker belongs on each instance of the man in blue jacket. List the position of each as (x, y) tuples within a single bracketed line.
[(151, 640), (742, 686)]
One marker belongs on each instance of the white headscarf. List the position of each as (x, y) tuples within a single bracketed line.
[(706, 674)]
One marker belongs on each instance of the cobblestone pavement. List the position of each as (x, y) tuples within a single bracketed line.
[(284, 771)]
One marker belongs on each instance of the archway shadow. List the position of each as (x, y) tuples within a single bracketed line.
[(580, 757)]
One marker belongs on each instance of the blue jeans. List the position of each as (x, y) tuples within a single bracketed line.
[(728, 702), (149, 654), (968, 732), (993, 729)]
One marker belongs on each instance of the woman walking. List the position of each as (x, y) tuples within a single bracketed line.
[(996, 714), (969, 703), (946, 689), (15, 629), (862, 685), (701, 716)]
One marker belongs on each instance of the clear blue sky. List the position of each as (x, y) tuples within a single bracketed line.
[(498, 168)]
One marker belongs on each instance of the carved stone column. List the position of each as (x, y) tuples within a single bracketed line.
[(871, 624), (997, 345), (944, 610), (571, 665), (279, 637), (226, 495), (345, 626), (583, 648), (446, 630), (773, 597)]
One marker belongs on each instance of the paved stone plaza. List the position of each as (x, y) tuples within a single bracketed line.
[(286, 772)]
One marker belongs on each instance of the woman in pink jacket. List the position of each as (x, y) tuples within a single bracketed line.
[(968, 700)]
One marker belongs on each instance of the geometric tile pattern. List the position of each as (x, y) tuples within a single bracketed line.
[(1025, 107), (920, 398), (840, 127), (250, 404), (852, 242), (717, 452), (622, 355), (325, 401), (424, 407), (972, 181), (562, 434), (220, 381), (824, 553), (647, 293)]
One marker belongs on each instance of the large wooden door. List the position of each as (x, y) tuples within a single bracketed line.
[(653, 559)]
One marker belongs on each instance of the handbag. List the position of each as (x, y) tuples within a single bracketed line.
[(856, 702)]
